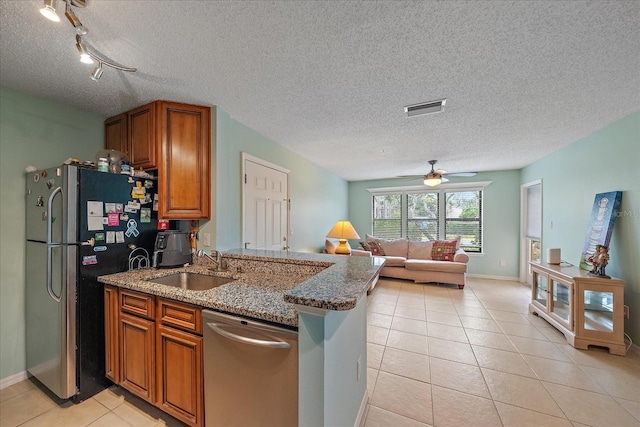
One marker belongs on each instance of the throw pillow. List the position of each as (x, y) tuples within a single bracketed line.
[(443, 250), (330, 246), (373, 247)]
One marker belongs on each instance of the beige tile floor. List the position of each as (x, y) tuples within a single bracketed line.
[(28, 404), (439, 356), (436, 356)]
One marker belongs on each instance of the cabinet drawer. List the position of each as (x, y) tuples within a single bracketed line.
[(179, 315), (137, 303)]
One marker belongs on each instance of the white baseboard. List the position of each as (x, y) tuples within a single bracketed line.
[(13, 379), (363, 408), (488, 276)]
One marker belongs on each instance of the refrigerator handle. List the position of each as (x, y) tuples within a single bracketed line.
[(52, 294), (49, 210)]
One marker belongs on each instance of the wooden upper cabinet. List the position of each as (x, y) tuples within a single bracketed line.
[(175, 139), (141, 124), (184, 172), (115, 133)]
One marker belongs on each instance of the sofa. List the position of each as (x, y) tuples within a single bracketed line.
[(439, 261)]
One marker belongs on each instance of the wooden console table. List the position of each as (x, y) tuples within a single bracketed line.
[(588, 310)]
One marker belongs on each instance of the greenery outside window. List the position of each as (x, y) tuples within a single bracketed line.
[(421, 215)]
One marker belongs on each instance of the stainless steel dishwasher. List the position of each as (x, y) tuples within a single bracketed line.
[(250, 373)]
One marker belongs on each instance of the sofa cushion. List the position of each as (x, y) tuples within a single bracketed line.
[(394, 261), (443, 250), (431, 265), (391, 247), (420, 250)]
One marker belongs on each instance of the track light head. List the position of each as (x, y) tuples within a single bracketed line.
[(48, 10), (97, 72), (80, 29), (85, 58)]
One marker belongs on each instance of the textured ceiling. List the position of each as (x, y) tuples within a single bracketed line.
[(329, 80)]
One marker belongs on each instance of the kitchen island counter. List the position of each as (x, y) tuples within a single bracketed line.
[(266, 284)]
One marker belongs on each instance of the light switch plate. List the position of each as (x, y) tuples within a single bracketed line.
[(206, 239)]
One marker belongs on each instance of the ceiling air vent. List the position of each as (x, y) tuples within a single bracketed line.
[(425, 108)]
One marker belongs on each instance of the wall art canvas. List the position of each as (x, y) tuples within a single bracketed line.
[(603, 216)]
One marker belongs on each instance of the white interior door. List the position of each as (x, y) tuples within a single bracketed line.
[(265, 205), (531, 228)]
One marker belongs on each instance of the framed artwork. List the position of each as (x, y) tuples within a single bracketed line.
[(603, 216)]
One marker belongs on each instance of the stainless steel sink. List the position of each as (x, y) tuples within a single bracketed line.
[(192, 281)]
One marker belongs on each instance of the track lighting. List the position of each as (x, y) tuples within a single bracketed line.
[(80, 29), (97, 72), (88, 54), (85, 58), (49, 10)]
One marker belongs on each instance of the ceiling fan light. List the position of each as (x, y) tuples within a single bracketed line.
[(96, 73), (432, 179), (49, 10)]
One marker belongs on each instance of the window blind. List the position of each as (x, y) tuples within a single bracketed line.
[(534, 212)]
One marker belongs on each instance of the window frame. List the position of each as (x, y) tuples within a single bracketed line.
[(441, 192)]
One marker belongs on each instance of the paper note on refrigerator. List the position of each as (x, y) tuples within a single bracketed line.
[(95, 212)]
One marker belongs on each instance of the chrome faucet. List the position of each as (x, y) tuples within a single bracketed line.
[(217, 260)]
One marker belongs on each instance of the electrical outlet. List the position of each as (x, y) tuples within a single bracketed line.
[(626, 311), (358, 368), (206, 239), (503, 263)]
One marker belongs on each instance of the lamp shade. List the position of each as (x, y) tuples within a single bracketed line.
[(343, 230)]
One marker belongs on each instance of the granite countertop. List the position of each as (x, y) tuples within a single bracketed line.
[(266, 284)]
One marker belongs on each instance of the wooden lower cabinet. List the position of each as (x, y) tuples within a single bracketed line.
[(156, 352), (111, 326), (180, 376), (138, 356)]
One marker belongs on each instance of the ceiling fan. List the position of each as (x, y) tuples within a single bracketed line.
[(435, 177)]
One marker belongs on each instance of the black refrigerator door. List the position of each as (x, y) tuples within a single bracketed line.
[(114, 237)]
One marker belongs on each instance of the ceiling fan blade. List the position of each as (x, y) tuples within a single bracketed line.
[(444, 179), (411, 176), (440, 171), (462, 174)]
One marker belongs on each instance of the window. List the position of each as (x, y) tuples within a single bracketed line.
[(387, 218), (421, 214)]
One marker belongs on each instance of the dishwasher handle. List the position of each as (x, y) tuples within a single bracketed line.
[(217, 328)]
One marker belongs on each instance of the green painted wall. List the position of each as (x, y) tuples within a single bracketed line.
[(318, 197), (501, 212), (330, 346), (607, 160), (35, 132)]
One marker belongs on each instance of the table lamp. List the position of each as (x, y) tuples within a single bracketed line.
[(342, 231)]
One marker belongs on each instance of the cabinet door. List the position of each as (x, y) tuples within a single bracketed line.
[(141, 124), (600, 314), (137, 355), (115, 133), (561, 301), (180, 385), (540, 289), (111, 322), (185, 171)]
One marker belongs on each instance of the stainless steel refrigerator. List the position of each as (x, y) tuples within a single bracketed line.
[(81, 224)]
